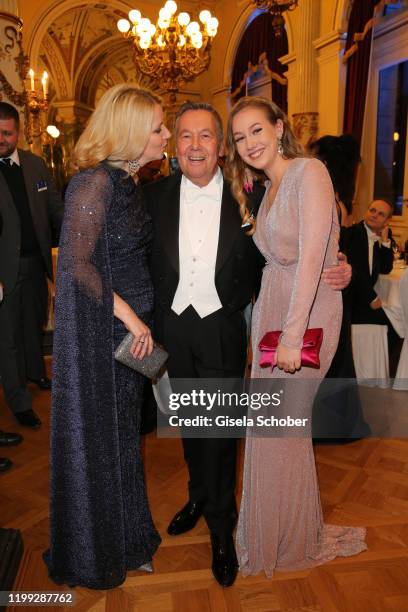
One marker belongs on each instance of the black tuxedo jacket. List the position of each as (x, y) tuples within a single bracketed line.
[(46, 209), (355, 244), (238, 265)]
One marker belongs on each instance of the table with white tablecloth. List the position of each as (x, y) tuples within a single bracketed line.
[(387, 288), (393, 292)]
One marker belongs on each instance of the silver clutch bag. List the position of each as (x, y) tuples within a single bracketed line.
[(149, 366)]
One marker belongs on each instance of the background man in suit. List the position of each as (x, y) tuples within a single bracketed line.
[(368, 248), (32, 213), (205, 270)]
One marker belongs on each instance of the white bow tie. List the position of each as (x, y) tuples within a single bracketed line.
[(374, 238), (192, 192)]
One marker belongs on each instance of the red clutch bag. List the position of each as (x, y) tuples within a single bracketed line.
[(312, 341)]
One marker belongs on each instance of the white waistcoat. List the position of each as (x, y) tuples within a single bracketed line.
[(198, 245)]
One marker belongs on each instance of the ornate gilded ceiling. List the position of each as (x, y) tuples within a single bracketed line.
[(84, 53)]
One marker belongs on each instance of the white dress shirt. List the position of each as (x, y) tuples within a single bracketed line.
[(14, 158), (372, 239), (200, 211)]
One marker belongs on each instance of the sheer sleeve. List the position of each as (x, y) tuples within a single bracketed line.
[(83, 337), (83, 248), (316, 200), (84, 431)]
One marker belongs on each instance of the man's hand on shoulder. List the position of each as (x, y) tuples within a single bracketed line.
[(338, 277)]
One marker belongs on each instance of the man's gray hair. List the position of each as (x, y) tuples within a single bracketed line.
[(195, 106)]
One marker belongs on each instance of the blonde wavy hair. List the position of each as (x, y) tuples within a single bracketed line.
[(118, 129), (235, 167)]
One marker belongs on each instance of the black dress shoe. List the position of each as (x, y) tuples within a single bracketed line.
[(43, 383), (225, 562), (5, 464), (28, 418), (186, 519), (10, 439)]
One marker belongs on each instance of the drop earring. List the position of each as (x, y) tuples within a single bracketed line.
[(280, 146), (133, 166)]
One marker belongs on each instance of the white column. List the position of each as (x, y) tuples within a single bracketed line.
[(305, 104), (307, 70), (332, 81), (221, 101), (289, 60)]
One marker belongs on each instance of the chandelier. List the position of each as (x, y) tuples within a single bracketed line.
[(173, 51), (276, 8)]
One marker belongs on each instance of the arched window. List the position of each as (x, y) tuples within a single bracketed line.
[(260, 50)]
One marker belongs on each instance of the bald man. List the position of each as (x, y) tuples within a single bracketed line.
[(368, 248)]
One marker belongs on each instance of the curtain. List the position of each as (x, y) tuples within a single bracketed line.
[(259, 45), (357, 54)]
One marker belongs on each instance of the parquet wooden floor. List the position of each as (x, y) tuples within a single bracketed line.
[(363, 483)]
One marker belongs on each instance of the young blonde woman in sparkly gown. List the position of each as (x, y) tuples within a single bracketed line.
[(280, 523)]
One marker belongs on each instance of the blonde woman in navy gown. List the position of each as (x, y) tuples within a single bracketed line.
[(280, 523), (101, 525)]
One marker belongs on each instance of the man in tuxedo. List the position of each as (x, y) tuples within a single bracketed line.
[(368, 248), (32, 213), (206, 269)]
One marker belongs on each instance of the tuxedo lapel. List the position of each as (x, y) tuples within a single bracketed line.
[(364, 247), (229, 227), (169, 219), (376, 264)]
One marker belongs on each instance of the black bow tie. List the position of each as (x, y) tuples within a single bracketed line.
[(6, 161)]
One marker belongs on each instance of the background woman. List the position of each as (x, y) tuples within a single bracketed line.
[(337, 412), (280, 523), (341, 156), (100, 520)]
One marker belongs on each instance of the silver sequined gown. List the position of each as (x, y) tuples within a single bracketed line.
[(280, 523)]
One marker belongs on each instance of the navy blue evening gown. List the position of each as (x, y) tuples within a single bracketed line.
[(101, 524)]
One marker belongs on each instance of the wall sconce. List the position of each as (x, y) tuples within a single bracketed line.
[(37, 104)]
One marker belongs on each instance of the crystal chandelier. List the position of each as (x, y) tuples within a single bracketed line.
[(276, 8), (173, 51)]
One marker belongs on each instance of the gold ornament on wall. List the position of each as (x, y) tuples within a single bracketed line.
[(276, 8), (173, 51), (13, 34)]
